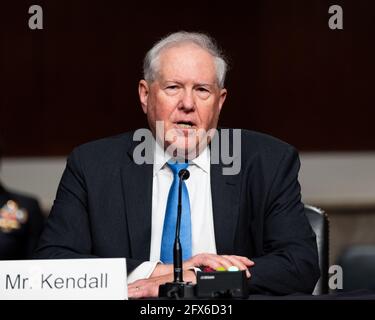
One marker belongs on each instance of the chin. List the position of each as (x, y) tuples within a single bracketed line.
[(183, 148)]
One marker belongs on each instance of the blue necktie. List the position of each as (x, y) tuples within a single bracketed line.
[(170, 218)]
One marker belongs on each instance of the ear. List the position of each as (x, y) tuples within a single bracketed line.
[(143, 91), (223, 95)]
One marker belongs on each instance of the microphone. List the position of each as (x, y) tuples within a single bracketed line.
[(178, 288), (177, 250)]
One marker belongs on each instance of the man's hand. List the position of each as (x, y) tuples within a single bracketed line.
[(215, 261), (164, 272), (146, 288)]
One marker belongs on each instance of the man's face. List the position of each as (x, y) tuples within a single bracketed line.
[(185, 96)]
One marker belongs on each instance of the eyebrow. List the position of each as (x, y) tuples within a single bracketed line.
[(205, 84), (202, 84)]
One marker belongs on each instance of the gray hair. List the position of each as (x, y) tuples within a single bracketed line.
[(177, 38)]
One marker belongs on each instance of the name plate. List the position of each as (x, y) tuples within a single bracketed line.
[(64, 279)]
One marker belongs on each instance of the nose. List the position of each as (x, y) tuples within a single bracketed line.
[(187, 101)]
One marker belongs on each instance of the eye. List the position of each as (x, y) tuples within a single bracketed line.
[(202, 89), (203, 92), (171, 89)]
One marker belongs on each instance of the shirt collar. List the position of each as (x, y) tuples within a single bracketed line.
[(203, 160), (161, 158)]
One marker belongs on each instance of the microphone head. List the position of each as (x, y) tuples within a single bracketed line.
[(184, 174)]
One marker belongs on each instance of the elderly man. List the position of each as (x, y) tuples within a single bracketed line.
[(110, 205)]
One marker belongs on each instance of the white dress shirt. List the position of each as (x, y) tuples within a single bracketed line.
[(202, 224)]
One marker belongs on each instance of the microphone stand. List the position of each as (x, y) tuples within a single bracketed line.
[(178, 288)]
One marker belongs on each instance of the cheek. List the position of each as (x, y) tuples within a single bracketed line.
[(163, 107), (209, 114)]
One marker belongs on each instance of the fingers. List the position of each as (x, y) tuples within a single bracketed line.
[(220, 261), (135, 292), (215, 261), (204, 259), (238, 263), (149, 288), (245, 260), (143, 288)]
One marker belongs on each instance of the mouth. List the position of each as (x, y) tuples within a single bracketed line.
[(185, 125)]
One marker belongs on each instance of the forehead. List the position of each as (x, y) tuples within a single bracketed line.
[(187, 62)]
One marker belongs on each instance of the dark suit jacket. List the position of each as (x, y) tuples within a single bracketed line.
[(20, 243), (103, 209)]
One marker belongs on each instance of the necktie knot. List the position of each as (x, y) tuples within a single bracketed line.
[(176, 167)]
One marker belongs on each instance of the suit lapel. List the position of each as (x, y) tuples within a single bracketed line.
[(137, 190), (225, 205)]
